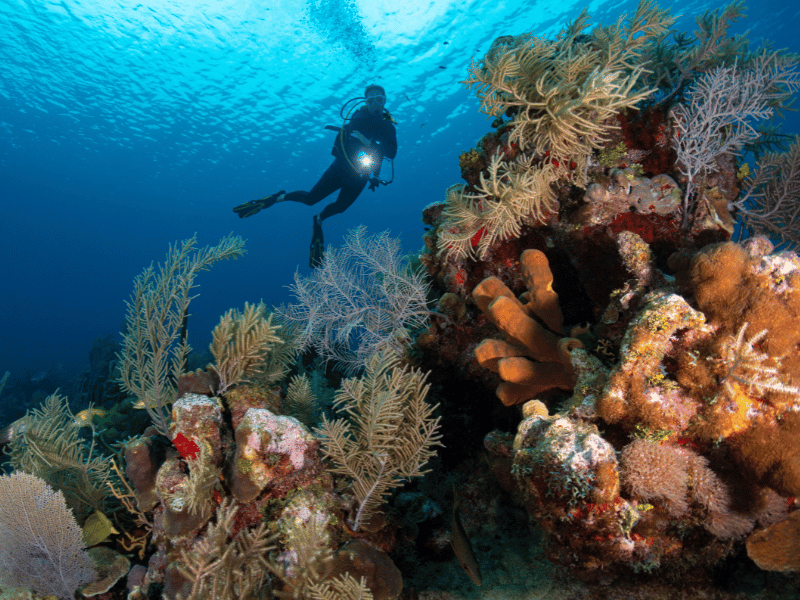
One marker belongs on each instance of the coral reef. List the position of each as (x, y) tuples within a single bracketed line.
[(660, 432), (154, 344), (562, 96), (389, 435), (363, 299), (647, 366)]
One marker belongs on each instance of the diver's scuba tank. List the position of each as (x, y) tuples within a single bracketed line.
[(365, 157)]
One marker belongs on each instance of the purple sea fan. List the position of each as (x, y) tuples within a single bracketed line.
[(42, 547)]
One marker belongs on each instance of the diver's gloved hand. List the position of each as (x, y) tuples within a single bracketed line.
[(248, 209), (373, 183)]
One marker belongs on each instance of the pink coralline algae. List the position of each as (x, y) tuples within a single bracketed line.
[(271, 450)]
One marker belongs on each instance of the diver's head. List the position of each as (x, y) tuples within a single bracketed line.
[(375, 98)]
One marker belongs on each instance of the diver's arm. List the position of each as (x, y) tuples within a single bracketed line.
[(361, 138)]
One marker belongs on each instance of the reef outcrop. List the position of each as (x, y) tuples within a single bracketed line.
[(655, 359)]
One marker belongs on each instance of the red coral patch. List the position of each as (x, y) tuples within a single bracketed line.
[(188, 448)]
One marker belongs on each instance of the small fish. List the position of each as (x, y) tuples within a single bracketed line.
[(97, 528), (84, 418), (16, 429), (461, 546)]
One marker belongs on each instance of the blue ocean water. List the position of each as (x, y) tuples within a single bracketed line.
[(127, 125)]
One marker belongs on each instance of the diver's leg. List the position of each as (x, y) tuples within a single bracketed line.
[(350, 189), (347, 195), (330, 181), (317, 249)]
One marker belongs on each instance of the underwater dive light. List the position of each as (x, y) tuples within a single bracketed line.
[(365, 159)]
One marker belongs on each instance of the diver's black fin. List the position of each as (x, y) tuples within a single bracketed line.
[(317, 245), (248, 209)]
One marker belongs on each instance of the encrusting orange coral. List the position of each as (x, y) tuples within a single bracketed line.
[(777, 548)]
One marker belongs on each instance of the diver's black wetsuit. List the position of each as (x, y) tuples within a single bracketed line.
[(340, 175)]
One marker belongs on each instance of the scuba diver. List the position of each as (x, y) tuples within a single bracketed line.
[(359, 149)]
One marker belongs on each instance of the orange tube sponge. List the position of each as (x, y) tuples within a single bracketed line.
[(517, 369), (533, 358), (542, 299), (489, 352), (523, 379), (489, 289), (519, 327)]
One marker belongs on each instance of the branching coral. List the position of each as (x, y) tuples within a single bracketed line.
[(301, 402), (722, 106), (562, 92), (515, 193), (126, 496), (51, 448), (359, 301), (389, 436), (308, 553), (153, 351), (203, 476), (240, 343), (675, 65), (342, 588), (768, 204), (225, 566), (563, 96)]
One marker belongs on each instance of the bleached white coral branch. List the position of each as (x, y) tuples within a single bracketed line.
[(723, 106)]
